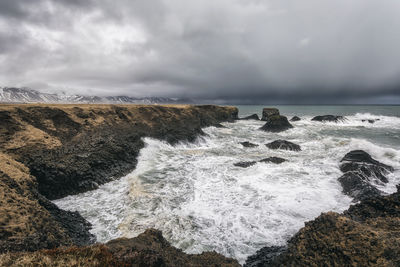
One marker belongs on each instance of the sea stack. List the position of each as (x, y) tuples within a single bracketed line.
[(268, 112), (276, 123)]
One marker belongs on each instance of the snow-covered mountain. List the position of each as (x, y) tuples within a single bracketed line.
[(27, 95)]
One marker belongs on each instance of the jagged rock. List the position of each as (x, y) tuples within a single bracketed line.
[(275, 160), (283, 144), (268, 112), (360, 169), (295, 118), (361, 162), (264, 256), (248, 144), (251, 117), (245, 164), (357, 187), (332, 118), (277, 123)]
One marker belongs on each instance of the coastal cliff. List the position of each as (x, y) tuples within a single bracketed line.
[(51, 151)]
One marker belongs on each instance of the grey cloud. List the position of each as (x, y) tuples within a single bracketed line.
[(243, 50)]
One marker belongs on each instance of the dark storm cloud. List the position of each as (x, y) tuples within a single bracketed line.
[(282, 51)]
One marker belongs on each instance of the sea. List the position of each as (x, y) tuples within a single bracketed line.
[(200, 201)]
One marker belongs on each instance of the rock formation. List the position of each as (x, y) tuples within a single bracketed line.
[(295, 118), (331, 118), (275, 160), (360, 169), (248, 144), (251, 117), (276, 123), (245, 164), (268, 112), (283, 144), (148, 249)]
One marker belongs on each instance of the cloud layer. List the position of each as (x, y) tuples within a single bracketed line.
[(286, 51)]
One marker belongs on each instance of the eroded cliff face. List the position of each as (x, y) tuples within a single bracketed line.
[(51, 151)]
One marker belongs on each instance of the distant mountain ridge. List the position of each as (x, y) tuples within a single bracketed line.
[(27, 95)]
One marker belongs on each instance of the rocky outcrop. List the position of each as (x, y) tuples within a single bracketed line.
[(248, 144), (245, 164), (50, 151), (251, 117), (367, 234), (360, 169), (330, 118), (295, 118), (264, 256), (148, 249), (276, 123), (268, 112), (276, 160), (283, 144)]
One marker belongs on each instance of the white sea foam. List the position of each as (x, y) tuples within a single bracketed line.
[(201, 202)]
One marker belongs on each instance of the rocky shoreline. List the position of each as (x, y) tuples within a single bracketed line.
[(51, 151)]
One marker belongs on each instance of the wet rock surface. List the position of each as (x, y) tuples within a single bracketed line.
[(275, 160), (248, 144), (148, 249), (269, 112), (295, 118), (331, 118), (283, 144), (360, 171), (245, 164), (251, 117), (276, 123), (264, 256)]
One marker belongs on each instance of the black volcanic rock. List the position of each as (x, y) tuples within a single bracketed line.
[(355, 186), (295, 118), (283, 144), (251, 117), (361, 162), (268, 112), (244, 164), (275, 160), (331, 118), (264, 256), (277, 123), (248, 144), (360, 169)]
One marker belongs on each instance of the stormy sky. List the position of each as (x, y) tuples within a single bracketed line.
[(227, 51)]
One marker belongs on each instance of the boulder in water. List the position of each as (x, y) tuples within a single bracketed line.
[(355, 186), (248, 144), (251, 117), (276, 123), (268, 112), (275, 160), (245, 164), (295, 118), (331, 118), (361, 162), (360, 169), (283, 144)]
